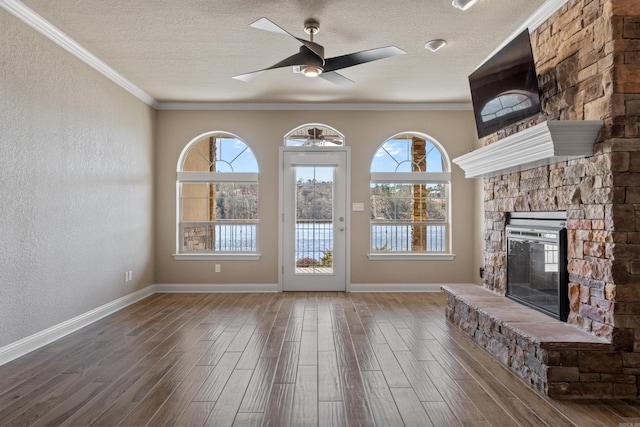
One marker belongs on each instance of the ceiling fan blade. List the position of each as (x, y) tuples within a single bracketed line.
[(267, 25), (336, 78), (248, 76), (344, 61), (303, 57)]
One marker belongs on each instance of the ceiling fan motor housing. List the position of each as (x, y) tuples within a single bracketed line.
[(311, 26)]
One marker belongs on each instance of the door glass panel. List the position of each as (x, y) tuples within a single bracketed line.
[(314, 220), (533, 274)]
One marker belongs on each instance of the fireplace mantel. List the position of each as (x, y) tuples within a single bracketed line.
[(544, 144)]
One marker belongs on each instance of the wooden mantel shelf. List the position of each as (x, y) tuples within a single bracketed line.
[(544, 144)]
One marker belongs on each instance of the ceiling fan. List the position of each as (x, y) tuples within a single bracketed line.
[(314, 136), (310, 59)]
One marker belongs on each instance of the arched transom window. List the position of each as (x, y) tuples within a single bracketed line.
[(410, 182), (217, 192), (314, 135)]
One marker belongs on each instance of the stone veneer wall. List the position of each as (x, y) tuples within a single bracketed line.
[(588, 61)]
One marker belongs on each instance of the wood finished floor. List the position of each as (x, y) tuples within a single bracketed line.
[(289, 359)]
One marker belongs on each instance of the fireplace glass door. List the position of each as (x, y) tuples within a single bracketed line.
[(536, 269)]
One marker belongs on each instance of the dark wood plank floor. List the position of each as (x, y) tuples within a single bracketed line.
[(289, 359)]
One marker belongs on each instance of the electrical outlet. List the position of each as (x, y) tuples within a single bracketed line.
[(217, 268)]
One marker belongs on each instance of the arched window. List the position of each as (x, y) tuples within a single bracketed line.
[(410, 184), (314, 135), (217, 192)]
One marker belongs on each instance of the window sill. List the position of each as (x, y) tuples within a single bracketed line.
[(221, 257), (411, 257)]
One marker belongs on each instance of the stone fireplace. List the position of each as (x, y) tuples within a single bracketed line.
[(588, 61)]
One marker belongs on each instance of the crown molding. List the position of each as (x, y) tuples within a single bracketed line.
[(277, 106), (31, 18), (37, 22), (544, 144)]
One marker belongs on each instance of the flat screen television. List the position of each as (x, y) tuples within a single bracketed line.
[(504, 89)]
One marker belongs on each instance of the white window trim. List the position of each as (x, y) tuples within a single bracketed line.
[(407, 256), (411, 177), (209, 177), (418, 178), (218, 176), (217, 256)]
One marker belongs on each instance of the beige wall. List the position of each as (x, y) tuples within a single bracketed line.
[(76, 176), (263, 131)]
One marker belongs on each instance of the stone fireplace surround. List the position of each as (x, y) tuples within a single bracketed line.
[(588, 62)]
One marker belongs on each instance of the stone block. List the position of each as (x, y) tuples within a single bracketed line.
[(578, 170), (627, 292), (574, 296), (631, 360), (563, 374), (575, 214), (602, 330), (626, 252), (632, 195), (579, 321), (542, 200), (624, 7), (624, 390), (593, 211), (583, 390), (589, 378), (593, 313), (579, 224), (602, 362), (622, 144), (631, 28), (593, 249), (620, 217), (603, 304), (576, 250), (599, 109), (619, 161), (602, 269)]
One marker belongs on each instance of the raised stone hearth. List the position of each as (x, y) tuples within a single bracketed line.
[(553, 357)]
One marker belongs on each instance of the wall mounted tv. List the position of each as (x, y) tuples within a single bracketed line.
[(504, 89)]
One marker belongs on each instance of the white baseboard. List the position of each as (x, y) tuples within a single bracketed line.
[(42, 338), (396, 287), (215, 288)]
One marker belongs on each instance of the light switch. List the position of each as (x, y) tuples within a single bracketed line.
[(357, 207)]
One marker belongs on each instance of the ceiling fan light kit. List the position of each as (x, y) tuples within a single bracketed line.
[(310, 59), (435, 45), (311, 70), (463, 4)]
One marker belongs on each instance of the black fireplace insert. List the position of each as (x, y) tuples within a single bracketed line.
[(537, 262)]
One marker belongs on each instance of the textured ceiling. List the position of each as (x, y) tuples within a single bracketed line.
[(188, 50)]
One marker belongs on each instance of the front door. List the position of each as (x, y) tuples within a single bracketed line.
[(313, 253)]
